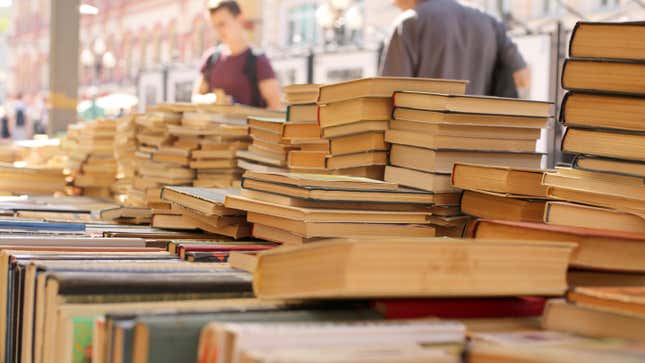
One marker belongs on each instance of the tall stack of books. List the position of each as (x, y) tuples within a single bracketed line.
[(294, 208), (90, 146), (125, 148), (429, 132), (353, 118), (152, 135)]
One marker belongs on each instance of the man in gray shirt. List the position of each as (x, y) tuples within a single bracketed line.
[(444, 39)]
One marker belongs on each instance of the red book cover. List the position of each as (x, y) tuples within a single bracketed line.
[(460, 308)]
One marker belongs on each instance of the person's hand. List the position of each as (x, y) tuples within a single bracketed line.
[(522, 78)]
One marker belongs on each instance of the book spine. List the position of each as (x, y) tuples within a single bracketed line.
[(287, 116), (564, 138), (564, 72), (561, 117), (573, 37)]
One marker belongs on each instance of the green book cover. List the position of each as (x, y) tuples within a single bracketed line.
[(83, 334)]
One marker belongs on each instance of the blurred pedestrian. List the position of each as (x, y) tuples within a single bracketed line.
[(4, 124), (234, 66), (444, 39), (19, 130)]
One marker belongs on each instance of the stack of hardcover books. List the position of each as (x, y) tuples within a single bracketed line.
[(90, 148), (295, 208)]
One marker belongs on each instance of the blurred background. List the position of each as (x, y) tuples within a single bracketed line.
[(136, 53)]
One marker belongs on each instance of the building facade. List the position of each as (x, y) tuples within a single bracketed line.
[(308, 40)]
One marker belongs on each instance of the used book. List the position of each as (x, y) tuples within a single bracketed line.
[(395, 268)]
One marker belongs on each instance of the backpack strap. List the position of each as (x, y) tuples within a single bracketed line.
[(210, 63), (251, 73)]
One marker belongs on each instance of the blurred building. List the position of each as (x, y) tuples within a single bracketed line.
[(154, 46)]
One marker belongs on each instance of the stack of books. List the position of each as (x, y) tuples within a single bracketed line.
[(267, 151), (90, 148), (550, 347), (302, 129), (499, 192), (353, 118), (150, 174), (429, 132), (42, 180), (202, 208), (600, 312), (600, 205), (293, 208), (125, 148), (603, 114), (206, 142)]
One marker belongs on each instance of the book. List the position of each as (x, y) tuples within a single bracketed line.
[(172, 221), (603, 76), (310, 230), (493, 132), (608, 40), (323, 215), (230, 340), (597, 249), (438, 142), (366, 205), (317, 160), (603, 143), (550, 347), (245, 261), (377, 353), (281, 236), (563, 316), (125, 212), (584, 278), (302, 112), (343, 182), (437, 183), (301, 131), (370, 141), (351, 111), (588, 110), (442, 161), (499, 179), (460, 308), (400, 195), (385, 87), (495, 206), (354, 128), (611, 166), (621, 300), (533, 269), (301, 93), (628, 205), (231, 226), (36, 226), (207, 201), (468, 119), (472, 104), (579, 215), (597, 183)]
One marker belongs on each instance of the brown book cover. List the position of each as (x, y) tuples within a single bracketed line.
[(597, 249)]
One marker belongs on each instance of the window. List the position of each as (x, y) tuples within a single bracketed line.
[(302, 27)]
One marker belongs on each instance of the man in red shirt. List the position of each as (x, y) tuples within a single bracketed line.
[(234, 66)]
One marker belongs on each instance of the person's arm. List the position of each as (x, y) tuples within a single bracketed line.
[(400, 56), (511, 57), (270, 91), (268, 83)]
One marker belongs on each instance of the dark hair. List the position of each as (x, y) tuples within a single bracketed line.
[(231, 5)]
